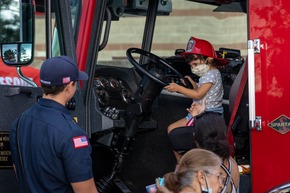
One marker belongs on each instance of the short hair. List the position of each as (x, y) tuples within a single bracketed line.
[(206, 59), (190, 57), (53, 90)]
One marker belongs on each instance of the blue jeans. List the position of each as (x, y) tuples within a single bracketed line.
[(219, 110)]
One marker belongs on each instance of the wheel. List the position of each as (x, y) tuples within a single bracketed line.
[(157, 64)]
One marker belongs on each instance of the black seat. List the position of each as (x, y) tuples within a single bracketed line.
[(181, 139)]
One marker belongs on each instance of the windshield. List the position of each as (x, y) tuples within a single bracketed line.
[(171, 32), (222, 29), (75, 5)]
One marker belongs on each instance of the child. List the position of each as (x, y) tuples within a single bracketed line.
[(201, 57)]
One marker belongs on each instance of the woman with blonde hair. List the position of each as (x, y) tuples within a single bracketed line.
[(199, 171)]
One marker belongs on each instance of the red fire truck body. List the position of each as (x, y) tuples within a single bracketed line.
[(258, 98), (268, 22)]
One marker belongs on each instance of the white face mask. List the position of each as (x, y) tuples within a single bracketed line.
[(200, 70), (208, 190)]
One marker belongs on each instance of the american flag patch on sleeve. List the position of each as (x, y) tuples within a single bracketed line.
[(80, 141)]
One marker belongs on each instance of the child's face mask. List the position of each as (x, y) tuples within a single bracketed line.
[(200, 70)]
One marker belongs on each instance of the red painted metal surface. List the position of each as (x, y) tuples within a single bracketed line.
[(269, 21), (84, 34)]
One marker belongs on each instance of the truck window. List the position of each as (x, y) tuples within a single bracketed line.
[(222, 29), (114, 53)]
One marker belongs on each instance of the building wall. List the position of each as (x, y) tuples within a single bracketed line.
[(171, 32), (187, 19)]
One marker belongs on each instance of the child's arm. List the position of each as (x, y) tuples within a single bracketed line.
[(196, 109), (196, 94), (192, 82)]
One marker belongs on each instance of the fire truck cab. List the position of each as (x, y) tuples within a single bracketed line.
[(131, 49)]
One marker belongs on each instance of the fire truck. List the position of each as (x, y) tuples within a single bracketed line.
[(123, 107)]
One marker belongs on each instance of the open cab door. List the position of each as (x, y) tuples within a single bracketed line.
[(18, 91), (19, 82)]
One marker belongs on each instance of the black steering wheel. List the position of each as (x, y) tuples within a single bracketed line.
[(156, 60)]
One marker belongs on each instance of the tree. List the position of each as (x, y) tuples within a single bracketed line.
[(9, 55), (9, 21)]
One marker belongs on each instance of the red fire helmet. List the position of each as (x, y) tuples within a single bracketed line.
[(202, 47)]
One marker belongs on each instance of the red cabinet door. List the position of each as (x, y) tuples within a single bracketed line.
[(269, 22)]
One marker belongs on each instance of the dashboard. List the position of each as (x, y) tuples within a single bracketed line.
[(111, 89), (114, 88)]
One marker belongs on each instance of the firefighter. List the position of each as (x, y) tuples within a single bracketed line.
[(50, 152)]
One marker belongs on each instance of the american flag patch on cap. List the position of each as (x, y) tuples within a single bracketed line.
[(80, 141), (65, 80)]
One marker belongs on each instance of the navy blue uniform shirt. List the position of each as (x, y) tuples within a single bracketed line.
[(55, 150)]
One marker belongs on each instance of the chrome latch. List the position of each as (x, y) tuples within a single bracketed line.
[(258, 123), (257, 46)]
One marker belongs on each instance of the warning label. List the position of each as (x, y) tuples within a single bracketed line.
[(5, 154)]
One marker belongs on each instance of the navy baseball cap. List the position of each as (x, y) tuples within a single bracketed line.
[(60, 70)]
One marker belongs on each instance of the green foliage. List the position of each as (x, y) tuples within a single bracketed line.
[(9, 21), (9, 55)]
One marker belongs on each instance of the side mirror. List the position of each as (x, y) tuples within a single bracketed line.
[(17, 32), (17, 54)]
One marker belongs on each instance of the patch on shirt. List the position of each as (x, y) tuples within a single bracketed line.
[(80, 141)]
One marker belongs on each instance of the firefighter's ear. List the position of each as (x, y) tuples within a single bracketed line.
[(73, 83), (70, 87)]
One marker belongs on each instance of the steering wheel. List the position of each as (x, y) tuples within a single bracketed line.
[(153, 60)]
